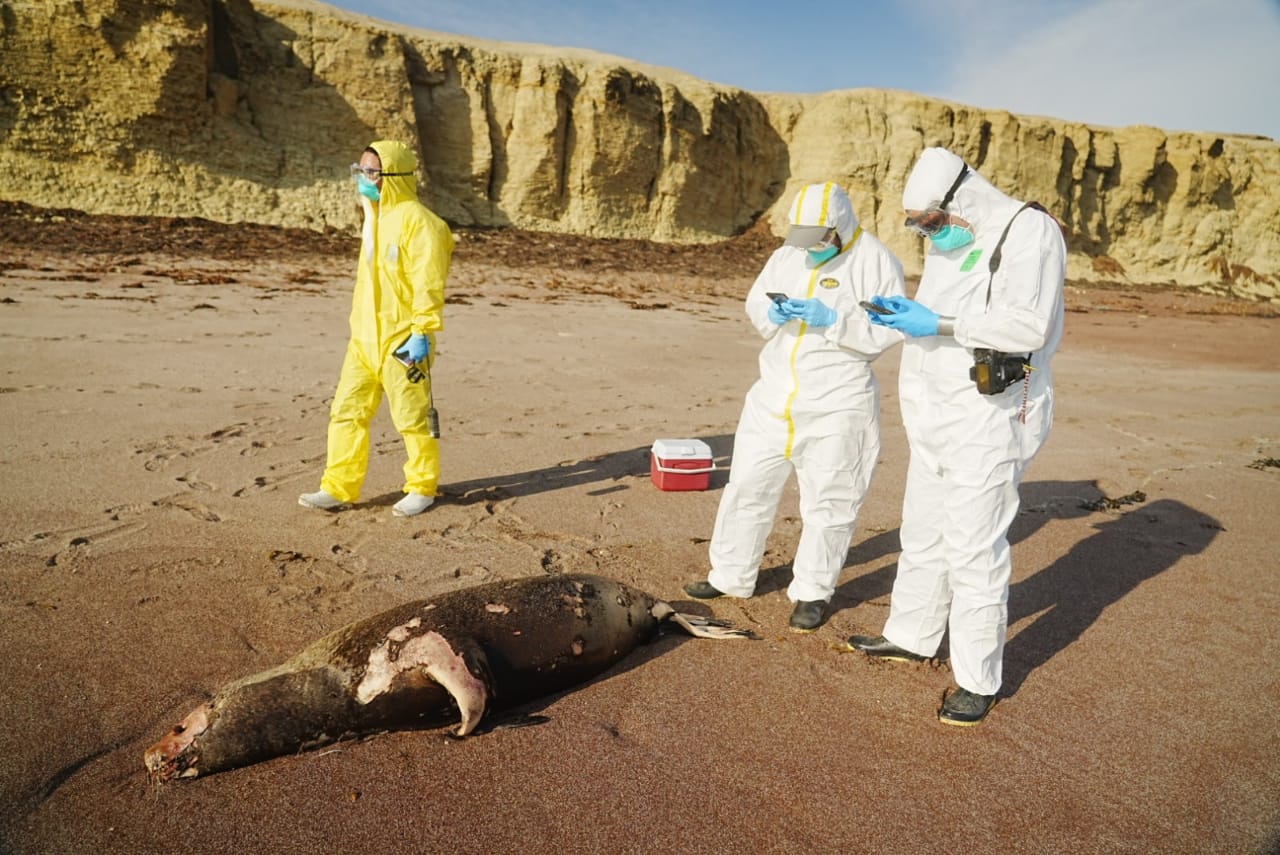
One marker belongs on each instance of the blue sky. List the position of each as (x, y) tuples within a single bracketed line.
[(1195, 65)]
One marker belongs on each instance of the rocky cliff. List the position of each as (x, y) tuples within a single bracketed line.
[(251, 111)]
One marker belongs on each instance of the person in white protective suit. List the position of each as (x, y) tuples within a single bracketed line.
[(815, 408), (976, 390), (397, 305)]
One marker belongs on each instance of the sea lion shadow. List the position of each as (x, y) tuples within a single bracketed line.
[(532, 712), (1070, 595), (616, 467), (667, 638)]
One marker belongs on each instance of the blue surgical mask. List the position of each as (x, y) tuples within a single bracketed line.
[(951, 237), (822, 256), (368, 189)]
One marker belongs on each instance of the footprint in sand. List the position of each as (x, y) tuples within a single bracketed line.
[(184, 503)]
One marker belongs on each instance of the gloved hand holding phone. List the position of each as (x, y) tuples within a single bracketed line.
[(813, 312), (778, 312), (417, 347), (910, 317), (412, 354)]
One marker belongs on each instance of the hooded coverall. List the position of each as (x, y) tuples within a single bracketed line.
[(969, 450), (404, 260), (814, 409)]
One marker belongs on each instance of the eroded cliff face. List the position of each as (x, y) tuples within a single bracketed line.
[(252, 111)]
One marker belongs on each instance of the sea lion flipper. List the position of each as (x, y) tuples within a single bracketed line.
[(462, 674), (699, 627)]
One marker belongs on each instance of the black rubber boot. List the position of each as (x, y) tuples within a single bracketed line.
[(807, 615), (962, 707), (882, 648), (702, 590)]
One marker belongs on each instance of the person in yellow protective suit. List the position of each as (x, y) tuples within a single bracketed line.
[(398, 304), (815, 408)]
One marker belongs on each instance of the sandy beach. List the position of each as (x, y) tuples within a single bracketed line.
[(164, 396)]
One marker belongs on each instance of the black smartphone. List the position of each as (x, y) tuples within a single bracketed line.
[(872, 307), (402, 356), (776, 296)]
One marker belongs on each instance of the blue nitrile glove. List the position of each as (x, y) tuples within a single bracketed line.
[(778, 313), (910, 317), (875, 317), (815, 313), (418, 346)]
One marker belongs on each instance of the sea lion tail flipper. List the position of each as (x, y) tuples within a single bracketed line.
[(697, 626), (705, 628)]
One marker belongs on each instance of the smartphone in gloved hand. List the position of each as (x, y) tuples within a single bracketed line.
[(776, 296), (872, 307), (412, 369), (401, 354)]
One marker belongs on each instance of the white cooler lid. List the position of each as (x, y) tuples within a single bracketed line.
[(672, 449)]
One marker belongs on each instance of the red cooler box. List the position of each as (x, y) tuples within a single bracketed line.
[(681, 464)]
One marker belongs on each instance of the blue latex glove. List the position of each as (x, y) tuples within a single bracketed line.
[(778, 313), (910, 317), (875, 317), (418, 346), (815, 313)]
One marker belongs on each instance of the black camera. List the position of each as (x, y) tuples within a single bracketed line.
[(993, 371)]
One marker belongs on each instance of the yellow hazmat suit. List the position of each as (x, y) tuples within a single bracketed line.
[(404, 261)]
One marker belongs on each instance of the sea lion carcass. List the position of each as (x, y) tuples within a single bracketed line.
[(423, 664)]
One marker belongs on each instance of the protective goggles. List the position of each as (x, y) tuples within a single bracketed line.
[(931, 221), (829, 239), (371, 173)]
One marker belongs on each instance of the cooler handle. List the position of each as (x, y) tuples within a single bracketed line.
[(676, 471)]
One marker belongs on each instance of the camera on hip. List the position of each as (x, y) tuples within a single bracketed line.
[(994, 371)]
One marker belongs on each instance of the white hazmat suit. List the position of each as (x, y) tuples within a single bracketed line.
[(970, 450), (815, 407)]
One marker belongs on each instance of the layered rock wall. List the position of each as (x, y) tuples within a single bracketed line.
[(252, 111)]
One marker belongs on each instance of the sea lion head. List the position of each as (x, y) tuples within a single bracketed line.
[(177, 755)]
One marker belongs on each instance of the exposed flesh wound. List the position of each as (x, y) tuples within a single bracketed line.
[(401, 651)]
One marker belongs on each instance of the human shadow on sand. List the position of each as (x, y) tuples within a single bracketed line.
[(1070, 594), (1040, 501), (610, 470)]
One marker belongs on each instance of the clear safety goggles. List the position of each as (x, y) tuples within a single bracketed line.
[(371, 173), (829, 239), (931, 221)]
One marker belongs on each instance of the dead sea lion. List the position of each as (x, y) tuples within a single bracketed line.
[(423, 664)]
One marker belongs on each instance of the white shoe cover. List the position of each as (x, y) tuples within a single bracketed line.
[(412, 504), (321, 501)]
